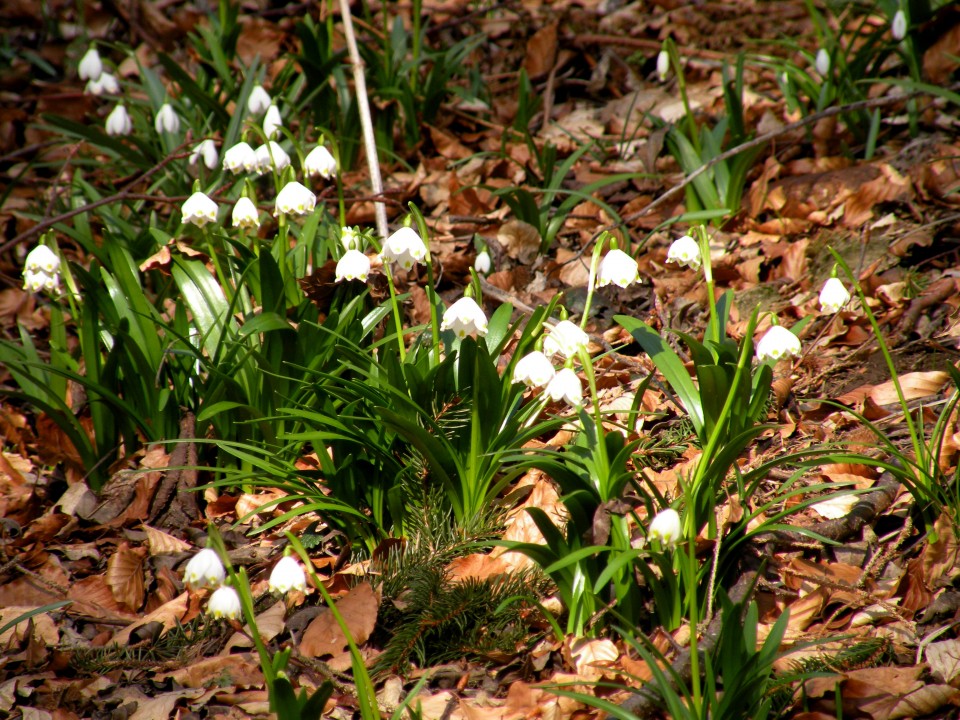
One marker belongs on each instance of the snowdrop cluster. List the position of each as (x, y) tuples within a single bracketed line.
[(99, 81), (41, 270), (205, 570), (565, 339)]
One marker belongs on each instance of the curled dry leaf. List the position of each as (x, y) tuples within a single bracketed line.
[(324, 635), (125, 576), (520, 239)]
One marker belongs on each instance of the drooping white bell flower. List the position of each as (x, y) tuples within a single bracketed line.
[(199, 210), (240, 158), (666, 528), (259, 100), (404, 247), (204, 570), (91, 67), (288, 575), (482, 262), (42, 259), (224, 604), (566, 386), (354, 265), (464, 318), (898, 28), (106, 84), (822, 62), (833, 296), (37, 281), (166, 120), (118, 122), (272, 122), (534, 370), (320, 162), (685, 252), (207, 150), (618, 268), (245, 214), (777, 343), (295, 199), (663, 65), (271, 155), (565, 338), (350, 238)]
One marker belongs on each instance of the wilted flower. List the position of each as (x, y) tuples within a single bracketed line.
[(118, 121), (245, 214), (271, 155), (320, 162), (204, 570), (534, 370), (240, 158), (777, 343), (272, 122), (482, 262), (565, 338), (666, 528), (259, 100), (295, 199), (288, 575), (663, 65), (41, 270), (464, 317), (404, 247), (354, 265), (90, 67), (208, 151), (685, 252), (898, 27), (833, 296), (199, 210), (106, 83), (166, 120), (566, 386), (618, 268), (224, 603), (823, 62)]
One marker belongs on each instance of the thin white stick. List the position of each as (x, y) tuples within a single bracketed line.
[(366, 123)]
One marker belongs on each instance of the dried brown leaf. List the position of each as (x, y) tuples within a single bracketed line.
[(324, 635), (125, 576)]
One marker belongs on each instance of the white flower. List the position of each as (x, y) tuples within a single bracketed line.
[(37, 281), (224, 603), (899, 26), (565, 338), (295, 199), (482, 263), (208, 151), (105, 84), (464, 317), (534, 370), (259, 100), (42, 259), (245, 214), (354, 265), (204, 570), (565, 385), (271, 155), (685, 251), (665, 527), (350, 239), (272, 122), (166, 120), (90, 67), (288, 575), (404, 247), (319, 162), (118, 121), (199, 210), (663, 65), (777, 343), (618, 268), (823, 62), (240, 158), (833, 296)]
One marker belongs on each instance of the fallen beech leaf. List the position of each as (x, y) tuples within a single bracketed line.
[(521, 240), (944, 660), (162, 543), (590, 656), (835, 507), (125, 576), (541, 51), (237, 669), (169, 614), (270, 623), (914, 385), (43, 627), (324, 635)]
